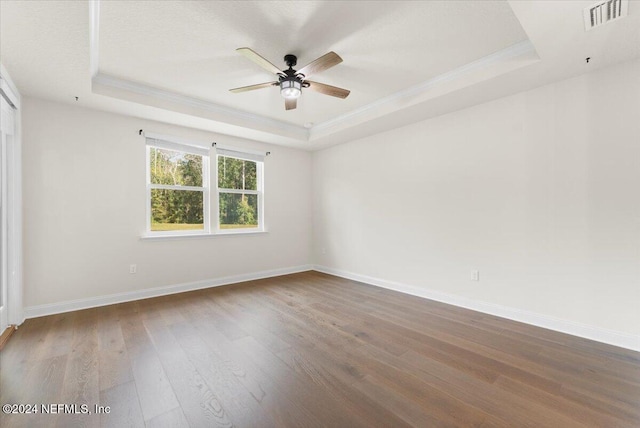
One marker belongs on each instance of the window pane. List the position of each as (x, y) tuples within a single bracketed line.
[(177, 210), (175, 168), (238, 211), (236, 174)]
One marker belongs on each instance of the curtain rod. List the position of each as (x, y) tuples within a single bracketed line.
[(214, 144)]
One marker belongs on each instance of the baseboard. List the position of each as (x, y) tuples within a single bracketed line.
[(92, 302), (623, 340)]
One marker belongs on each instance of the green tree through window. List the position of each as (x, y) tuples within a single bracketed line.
[(175, 208), (238, 193), (184, 198)]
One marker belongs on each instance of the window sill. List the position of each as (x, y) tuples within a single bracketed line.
[(153, 237)]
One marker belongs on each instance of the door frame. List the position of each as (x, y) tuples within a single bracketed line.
[(13, 201), (4, 286)]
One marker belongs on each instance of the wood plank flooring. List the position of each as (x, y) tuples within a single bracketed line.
[(312, 350)]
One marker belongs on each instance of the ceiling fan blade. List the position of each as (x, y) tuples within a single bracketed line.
[(325, 62), (249, 53), (334, 91), (290, 103), (252, 87)]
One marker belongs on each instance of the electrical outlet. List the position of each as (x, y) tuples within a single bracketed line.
[(475, 275), (133, 268)]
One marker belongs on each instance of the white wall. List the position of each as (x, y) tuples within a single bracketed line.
[(538, 191), (84, 210)]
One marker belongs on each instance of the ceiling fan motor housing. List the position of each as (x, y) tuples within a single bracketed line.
[(290, 60)]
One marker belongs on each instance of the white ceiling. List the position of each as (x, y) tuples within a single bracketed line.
[(174, 61), (189, 47)]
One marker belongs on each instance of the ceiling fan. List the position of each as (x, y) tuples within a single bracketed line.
[(291, 81)]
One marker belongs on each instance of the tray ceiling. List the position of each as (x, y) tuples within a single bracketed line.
[(189, 47), (174, 61)]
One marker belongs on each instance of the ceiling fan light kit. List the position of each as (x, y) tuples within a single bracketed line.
[(291, 81), (290, 88)]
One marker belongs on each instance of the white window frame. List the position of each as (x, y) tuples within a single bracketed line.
[(162, 143), (211, 192), (256, 157)]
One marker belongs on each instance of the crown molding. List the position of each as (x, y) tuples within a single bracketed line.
[(231, 121), (519, 55), (116, 87), (94, 36)]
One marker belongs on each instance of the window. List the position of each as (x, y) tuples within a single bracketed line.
[(239, 190), (177, 187), (181, 200)]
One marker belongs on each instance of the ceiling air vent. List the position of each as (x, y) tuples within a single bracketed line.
[(604, 12)]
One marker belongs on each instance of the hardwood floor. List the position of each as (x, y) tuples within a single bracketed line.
[(309, 350)]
